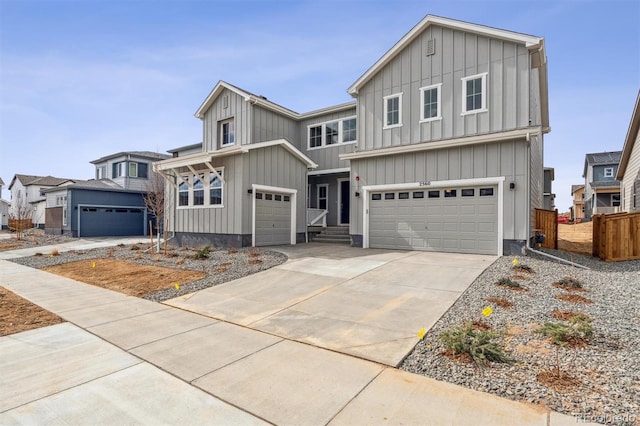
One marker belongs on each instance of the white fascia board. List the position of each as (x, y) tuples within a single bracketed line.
[(286, 145), (630, 140), (199, 158), (337, 108), (329, 171), (214, 94), (448, 143)]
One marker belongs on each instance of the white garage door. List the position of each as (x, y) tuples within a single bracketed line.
[(273, 219), (459, 220)]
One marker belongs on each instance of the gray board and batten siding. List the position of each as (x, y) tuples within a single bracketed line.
[(458, 54), (231, 223), (326, 157), (489, 160)]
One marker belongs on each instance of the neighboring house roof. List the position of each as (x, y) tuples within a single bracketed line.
[(533, 43), (1, 182), (87, 184), (142, 154), (27, 180), (630, 140), (263, 102), (552, 172), (185, 148), (575, 188), (601, 159)]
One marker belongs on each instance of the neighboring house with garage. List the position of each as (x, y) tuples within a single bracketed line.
[(441, 150), (577, 209), (601, 188), (27, 191), (110, 205), (629, 171)]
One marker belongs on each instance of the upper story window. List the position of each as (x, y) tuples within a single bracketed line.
[(129, 168), (101, 172), (474, 93), (349, 130), (201, 189), (118, 170), (332, 133), (430, 103), (392, 111), (608, 172), (227, 132)]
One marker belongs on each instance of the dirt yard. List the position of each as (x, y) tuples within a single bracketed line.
[(126, 277), (18, 314), (575, 238)]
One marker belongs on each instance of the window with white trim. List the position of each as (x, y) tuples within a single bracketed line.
[(608, 172), (204, 189), (474, 93), (392, 110), (331, 133), (101, 172), (430, 103), (323, 192), (227, 132), (118, 170), (615, 200)]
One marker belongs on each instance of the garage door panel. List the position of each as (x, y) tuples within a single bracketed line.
[(454, 224), (111, 221), (273, 220)]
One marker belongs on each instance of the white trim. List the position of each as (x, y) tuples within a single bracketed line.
[(522, 39), (206, 181), (332, 109), (447, 143), (483, 84), (264, 188), (604, 172), (498, 180), (326, 197), (329, 171), (339, 202), (286, 145), (385, 104), (229, 120), (438, 88), (323, 133)]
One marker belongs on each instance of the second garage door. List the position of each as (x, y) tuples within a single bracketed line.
[(273, 219), (459, 220), (111, 221)]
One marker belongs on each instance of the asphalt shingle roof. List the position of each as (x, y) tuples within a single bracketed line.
[(604, 158)]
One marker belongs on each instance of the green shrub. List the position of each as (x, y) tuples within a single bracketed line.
[(569, 282), (478, 344), (561, 334), (524, 268), (203, 253), (508, 282)]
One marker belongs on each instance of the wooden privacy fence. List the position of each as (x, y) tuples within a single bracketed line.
[(547, 225), (616, 237)]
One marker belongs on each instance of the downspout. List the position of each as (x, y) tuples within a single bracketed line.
[(527, 222)]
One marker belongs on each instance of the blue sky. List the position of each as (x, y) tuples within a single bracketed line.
[(83, 79)]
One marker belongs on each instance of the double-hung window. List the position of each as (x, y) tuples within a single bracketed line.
[(332, 133), (430, 103), (183, 191), (118, 169), (474, 93), (227, 133), (392, 111), (198, 189), (215, 189)]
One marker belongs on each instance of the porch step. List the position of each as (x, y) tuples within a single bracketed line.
[(330, 234), (333, 239)]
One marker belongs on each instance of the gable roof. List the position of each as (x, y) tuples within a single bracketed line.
[(533, 43), (1, 182), (575, 188), (263, 102), (630, 140), (185, 147), (27, 180), (600, 159), (142, 154)]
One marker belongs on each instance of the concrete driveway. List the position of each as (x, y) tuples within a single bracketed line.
[(367, 303)]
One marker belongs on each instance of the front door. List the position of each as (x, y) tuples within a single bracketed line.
[(345, 187)]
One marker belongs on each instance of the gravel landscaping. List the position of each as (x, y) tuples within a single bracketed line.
[(600, 381), (222, 265)]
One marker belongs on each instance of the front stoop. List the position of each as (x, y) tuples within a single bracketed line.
[(330, 234)]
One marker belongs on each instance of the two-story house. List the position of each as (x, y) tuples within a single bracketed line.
[(548, 197), (112, 204), (601, 188), (4, 209), (629, 171), (577, 209), (28, 193), (441, 150)]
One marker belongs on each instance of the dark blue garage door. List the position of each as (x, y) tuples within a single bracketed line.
[(107, 221)]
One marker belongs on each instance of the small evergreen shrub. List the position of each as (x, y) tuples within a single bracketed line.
[(203, 253), (478, 344), (561, 334), (508, 282)]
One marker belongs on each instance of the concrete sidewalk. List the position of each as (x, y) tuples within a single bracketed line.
[(165, 365), (76, 244)]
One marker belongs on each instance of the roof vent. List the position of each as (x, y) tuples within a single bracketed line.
[(225, 102), (431, 47)]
